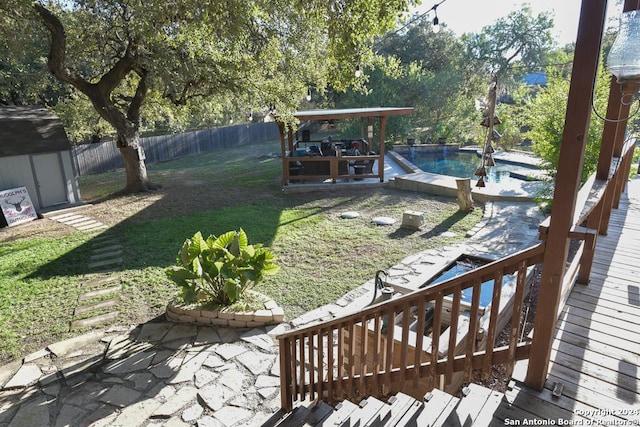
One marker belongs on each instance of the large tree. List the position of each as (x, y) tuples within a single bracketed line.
[(518, 38), (118, 53)]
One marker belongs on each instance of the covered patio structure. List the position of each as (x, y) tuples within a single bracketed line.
[(328, 159)]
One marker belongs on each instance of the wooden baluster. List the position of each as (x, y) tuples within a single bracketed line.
[(377, 336), (330, 368), (352, 357), (417, 362), (312, 368), (320, 364), (493, 321), (435, 342), (389, 351), (404, 347), (473, 330), (364, 344), (453, 333), (293, 350), (517, 312), (302, 368), (341, 350)]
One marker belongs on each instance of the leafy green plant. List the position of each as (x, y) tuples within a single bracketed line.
[(219, 270)]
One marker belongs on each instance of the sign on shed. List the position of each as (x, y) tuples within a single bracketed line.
[(16, 206)]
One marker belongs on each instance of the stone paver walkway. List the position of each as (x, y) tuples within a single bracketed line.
[(168, 374)]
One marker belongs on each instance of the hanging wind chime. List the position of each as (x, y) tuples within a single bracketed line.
[(489, 119)]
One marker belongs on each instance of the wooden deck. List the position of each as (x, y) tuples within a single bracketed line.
[(596, 352)]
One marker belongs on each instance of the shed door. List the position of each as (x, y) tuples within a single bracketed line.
[(50, 181)]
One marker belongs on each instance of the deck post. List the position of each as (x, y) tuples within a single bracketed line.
[(574, 140)]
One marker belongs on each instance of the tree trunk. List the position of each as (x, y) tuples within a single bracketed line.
[(135, 168)]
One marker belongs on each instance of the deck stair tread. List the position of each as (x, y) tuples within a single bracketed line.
[(394, 409), (435, 412), (476, 407)]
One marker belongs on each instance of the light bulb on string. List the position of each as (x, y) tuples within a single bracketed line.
[(436, 25), (309, 94), (358, 71)]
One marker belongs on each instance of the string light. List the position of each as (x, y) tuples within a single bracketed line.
[(436, 21), (358, 72), (308, 94)]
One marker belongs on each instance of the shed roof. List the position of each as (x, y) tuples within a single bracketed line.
[(347, 113), (30, 129)]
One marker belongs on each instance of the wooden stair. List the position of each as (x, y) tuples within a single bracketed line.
[(437, 409)]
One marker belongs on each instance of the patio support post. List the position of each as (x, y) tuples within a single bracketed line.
[(383, 125), (574, 140), (283, 153)]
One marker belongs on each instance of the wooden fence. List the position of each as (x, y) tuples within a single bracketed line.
[(102, 157)]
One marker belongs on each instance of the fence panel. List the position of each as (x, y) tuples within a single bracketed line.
[(105, 156)]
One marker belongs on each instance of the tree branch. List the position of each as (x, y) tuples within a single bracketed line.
[(133, 113)]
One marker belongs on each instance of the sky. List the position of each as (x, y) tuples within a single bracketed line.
[(470, 16)]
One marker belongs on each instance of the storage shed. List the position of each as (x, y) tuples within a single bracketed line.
[(35, 153)]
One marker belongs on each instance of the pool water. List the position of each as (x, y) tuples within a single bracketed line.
[(460, 267), (463, 164)]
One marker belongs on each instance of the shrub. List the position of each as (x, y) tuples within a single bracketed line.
[(219, 270)]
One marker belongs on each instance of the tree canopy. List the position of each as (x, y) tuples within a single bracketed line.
[(118, 54), (519, 38)]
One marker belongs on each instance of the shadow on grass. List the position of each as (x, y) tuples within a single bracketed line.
[(150, 240), (445, 225)]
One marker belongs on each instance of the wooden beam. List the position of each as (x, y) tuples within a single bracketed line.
[(574, 140)]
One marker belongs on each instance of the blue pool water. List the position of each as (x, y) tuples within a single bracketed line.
[(463, 266), (463, 164)]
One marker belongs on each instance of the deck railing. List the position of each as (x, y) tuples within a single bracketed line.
[(379, 350)]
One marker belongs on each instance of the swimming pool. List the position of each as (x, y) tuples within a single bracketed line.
[(463, 164)]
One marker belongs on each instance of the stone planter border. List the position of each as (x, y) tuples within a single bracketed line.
[(192, 313)]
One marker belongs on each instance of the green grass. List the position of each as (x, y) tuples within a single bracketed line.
[(322, 256)]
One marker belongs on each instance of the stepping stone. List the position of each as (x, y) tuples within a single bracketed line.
[(97, 306), (105, 255), (93, 321), (99, 292), (350, 215), (383, 220), (110, 248), (101, 281), (59, 218), (92, 227), (105, 263), (78, 220)]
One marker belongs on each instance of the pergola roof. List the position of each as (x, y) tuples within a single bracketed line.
[(348, 113)]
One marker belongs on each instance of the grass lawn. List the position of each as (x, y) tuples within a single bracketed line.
[(322, 256)]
